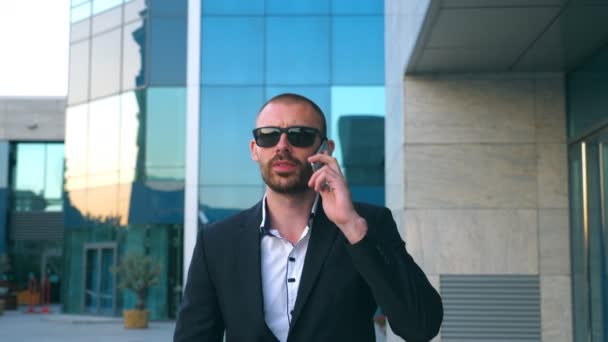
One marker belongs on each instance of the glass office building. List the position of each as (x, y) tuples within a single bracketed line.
[(126, 122)]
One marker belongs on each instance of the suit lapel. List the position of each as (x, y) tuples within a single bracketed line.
[(249, 268), (322, 237)]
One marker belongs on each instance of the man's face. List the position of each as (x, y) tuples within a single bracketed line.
[(284, 167)]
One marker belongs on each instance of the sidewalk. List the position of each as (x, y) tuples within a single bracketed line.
[(56, 327)]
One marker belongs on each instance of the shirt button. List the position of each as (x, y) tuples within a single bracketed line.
[(292, 259)]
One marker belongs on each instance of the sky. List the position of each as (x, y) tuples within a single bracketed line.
[(34, 47)]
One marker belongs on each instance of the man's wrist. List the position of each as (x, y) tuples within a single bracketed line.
[(354, 230)]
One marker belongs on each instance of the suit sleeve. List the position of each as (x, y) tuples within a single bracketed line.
[(199, 318), (411, 304)]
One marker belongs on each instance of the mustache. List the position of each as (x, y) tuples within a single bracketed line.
[(280, 157)]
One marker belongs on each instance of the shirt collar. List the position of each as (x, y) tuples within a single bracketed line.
[(313, 211)]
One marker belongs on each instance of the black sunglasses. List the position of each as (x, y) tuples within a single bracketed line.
[(298, 136)]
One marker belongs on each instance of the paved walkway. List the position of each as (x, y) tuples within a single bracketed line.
[(56, 327)]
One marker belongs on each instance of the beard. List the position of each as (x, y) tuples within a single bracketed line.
[(289, 183)]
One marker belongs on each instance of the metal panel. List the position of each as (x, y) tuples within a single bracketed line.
[(491, 308), (36, 226)]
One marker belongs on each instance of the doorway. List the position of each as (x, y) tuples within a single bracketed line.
[(99, 282)]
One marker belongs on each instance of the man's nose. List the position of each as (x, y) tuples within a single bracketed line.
[(283, 143)]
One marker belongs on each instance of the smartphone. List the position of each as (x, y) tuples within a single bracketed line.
[(324, 147)]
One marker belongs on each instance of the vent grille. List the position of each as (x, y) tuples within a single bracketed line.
[(36, 226), (490, 308)]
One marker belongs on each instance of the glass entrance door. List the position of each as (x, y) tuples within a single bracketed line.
[(100, 283)]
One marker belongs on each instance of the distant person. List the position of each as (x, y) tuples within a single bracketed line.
[(305, 263)]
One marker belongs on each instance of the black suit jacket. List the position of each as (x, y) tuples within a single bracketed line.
[(340, 289)]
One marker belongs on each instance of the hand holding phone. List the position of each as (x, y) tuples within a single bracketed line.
[(324, 147)]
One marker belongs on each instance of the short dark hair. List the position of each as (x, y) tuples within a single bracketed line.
[(290, 97)]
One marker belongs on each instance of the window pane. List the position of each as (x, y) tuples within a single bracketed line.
[(29, 177), (76, 129), (80, 12), (105, 67), (107, 20), (297, 50), (228, 123), (79, 72), (169, 7), (103, 140), (357, 7), (135, 9), (168, 51), (53, 187), (80, 30), (358, 50), (240, 7), (320, 95), (133, 110), (102, 5), (219, 202), (232, 50), (166, 118), (134, 52), (274, 7)]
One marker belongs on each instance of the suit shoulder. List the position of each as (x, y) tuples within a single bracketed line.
[(366, 209), (231, 223)]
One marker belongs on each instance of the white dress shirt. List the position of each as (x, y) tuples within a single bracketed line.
[(282, 265)]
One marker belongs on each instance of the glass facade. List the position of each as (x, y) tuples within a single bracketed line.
[(124, 157), (329, 51), (588, 164), (126, 122)]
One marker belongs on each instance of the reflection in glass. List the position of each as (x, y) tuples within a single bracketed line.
[(78, 89), (219, 202), (106, 289), (168, 51), (297, 50), (76, 123), (165, 133), (105, 64), (102, 5), (133, 58), (134, 9), (229, 117), (357, 7), (80, 30), (233, 7), (320, 95), (133, 109), (169, 7), (274, 7), (103, 146), (107, 20), (38, 177), (232, 50), (80, 12), (355, 42), (91, 289)]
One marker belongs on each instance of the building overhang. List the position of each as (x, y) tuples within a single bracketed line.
[(508, 35)]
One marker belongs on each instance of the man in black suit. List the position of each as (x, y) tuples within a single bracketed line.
[(305, 263)]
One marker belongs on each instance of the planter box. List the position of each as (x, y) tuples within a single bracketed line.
[(135, 319)]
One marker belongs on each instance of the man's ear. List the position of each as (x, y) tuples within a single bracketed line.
[(332, 146), (254, 154)]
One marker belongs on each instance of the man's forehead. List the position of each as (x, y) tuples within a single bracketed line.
[(288, 113)]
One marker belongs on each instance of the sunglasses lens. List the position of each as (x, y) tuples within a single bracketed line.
[(267, 136), (301, 137)]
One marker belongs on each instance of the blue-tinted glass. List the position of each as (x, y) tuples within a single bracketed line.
[(297, 50), (168, 51), (133, 55), (80, 12), (274, 7), (102, 5), (107, 20), (133, 105), (103, 146), (76, 133), (232, 50), (357, 7), (358, 50), (105, 64), (169, 7), (135, 9), (227, 118), (78, 86), (350, 102), (319, 95), (165, 133), (28, 183), (240, 7), (219, 202), (53, 186), (77, 2)]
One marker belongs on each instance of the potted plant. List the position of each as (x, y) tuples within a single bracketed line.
[(137, 272)]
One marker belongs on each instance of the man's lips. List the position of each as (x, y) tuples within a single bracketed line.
[(283, 165)]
